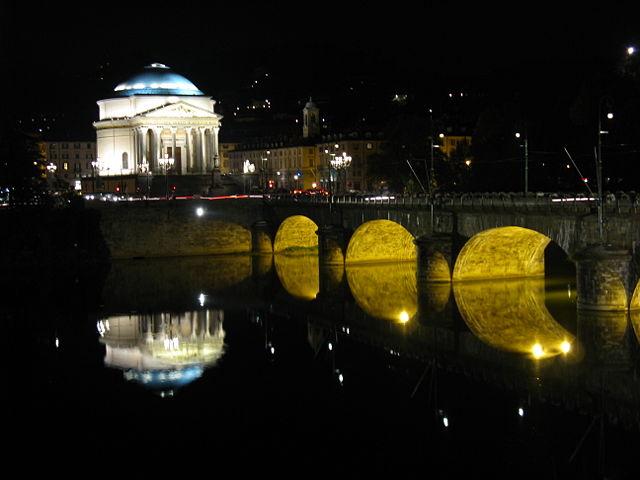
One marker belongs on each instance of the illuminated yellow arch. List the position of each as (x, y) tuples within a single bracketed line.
[(296, 234), (380, 240), (503, 252)]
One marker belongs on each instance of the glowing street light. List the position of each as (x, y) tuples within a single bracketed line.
[(341, 163), (166, 163)]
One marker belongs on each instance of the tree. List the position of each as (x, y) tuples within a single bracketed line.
[(21, 166)]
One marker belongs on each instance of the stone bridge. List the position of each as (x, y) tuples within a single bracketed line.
[(453, 238)]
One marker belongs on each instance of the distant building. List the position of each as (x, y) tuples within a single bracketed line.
[(70, 161), (354, 177), (455, 144), (337, 163), (157, 115)]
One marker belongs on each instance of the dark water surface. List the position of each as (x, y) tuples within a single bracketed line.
[(274, 367)]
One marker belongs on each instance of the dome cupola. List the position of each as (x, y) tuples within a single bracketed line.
[(157, 79)]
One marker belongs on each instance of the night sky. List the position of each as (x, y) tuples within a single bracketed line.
[(60, 62)]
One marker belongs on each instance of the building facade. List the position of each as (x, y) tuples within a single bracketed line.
[(157, 122), (70, 160)]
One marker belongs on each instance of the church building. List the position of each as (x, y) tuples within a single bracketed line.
[(157, 122)]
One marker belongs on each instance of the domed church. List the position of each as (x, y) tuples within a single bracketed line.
[(157, 122)]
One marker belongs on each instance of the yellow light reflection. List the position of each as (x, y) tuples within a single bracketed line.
[(511, 315), (537, 350), (385, 290), (299, 275)]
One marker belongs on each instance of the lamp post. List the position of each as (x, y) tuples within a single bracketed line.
[(144, 168), (264, 170), (601, 132), (341, 163), (94, 167), (166, 163), (330, 166), (526, 162)]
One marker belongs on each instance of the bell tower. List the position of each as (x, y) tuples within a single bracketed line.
[(311, 120)]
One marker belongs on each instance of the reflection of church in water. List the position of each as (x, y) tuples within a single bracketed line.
[(163, 350), (159, 122)]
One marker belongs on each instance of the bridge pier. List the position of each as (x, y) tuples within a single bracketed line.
[(261, 237), (602, 276), (435, 258), (332, 244)]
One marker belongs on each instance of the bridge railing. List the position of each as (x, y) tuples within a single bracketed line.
[(619, 202)]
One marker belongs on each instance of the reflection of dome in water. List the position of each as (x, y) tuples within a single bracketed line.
[(511, 315), (163, 350), (385, 290)]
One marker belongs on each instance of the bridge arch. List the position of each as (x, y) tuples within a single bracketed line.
[(296, 234), (502, 252), (380, 240)]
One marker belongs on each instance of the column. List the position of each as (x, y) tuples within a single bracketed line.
[(188, 168), (216, 152), (173, 149), (203, 151), (143, 145)]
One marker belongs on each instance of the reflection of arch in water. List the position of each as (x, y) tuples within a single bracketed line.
[(434, 296), (296, 234), (511, 315), (385, 290), (299, 275), (380, 240), (503, 252), (635, 323), (163, 350), (635, 298), (162, 283)]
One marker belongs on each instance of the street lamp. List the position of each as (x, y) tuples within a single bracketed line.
[(601, 132), (264, 170), (526, 162), (144, 168), (166, 163), (341, 163)]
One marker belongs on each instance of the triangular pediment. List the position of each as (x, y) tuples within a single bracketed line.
[(178, 109)]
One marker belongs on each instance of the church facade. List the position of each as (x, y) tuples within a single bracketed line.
[(157, 122)]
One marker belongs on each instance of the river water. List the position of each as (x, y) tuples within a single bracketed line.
[(272, 365)]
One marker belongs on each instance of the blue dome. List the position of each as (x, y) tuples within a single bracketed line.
[(157, 79)]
